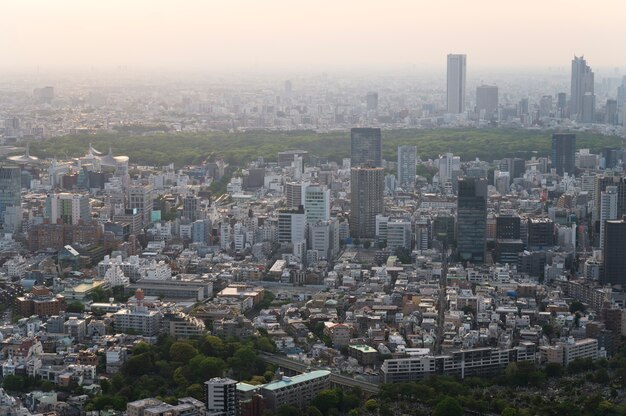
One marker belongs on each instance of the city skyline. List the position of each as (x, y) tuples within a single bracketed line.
[(281, 35)]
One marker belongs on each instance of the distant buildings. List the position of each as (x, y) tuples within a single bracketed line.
[(68, 208), (407, 159), (457, 66), (487, 100), (367, 186), (564, 153), (366, 147), (582, 97)]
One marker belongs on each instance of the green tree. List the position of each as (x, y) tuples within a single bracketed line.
[(326, 400), (182, 352), (371, 405), (448, 406), (576, 306), (75, 307), (196, 391), (287, 410), (13, 383)]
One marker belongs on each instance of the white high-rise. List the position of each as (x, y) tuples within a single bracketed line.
[(407, 158), (316, 204), (457, 66), (608, 209), (221, 396)]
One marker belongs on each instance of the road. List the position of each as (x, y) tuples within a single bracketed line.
[(335, 378)]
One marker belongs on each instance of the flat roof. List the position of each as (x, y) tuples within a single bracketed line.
[(301, 378), (364, 348)]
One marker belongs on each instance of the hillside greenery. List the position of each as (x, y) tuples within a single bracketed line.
[(236, 148)]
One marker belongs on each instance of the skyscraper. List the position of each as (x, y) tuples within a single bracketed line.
[(563, 153), (140, 197), (581, 108), (367, 187), (10, 189), (487, 100), (457, 65), (407, 158), (371, 100), (608, 209), (366, 147), (472, 219), (614, 252)]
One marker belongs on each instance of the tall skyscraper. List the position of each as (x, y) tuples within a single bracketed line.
[(457, 65), (608, 209), (10, 189), (472, 219), (563, 153), (487, 100), (366, 147), (367, 187), (614, 252), (140, 197), (191, 208), (294, 194), (580, 107), (407, 158)]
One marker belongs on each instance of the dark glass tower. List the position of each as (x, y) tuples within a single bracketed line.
[(563, 153), (366, 147), (614, 252), (472, 219)]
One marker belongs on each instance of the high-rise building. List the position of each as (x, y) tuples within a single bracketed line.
[(581, 108), (611, 112), (608, 209), (564, 153), (614, 252), (316, 204), (69, 208), (291, 225), (371, 100), (221, 396), (367, 187), (140, 197), (10, 189), (457, 65), (295, 193), (407, 159), (472, 219), (191, 209), (366, 147), (487, 100)]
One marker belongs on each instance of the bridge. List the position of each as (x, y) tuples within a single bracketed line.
[(335, 379)]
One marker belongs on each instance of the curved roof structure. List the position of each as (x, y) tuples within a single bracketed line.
[(110, 160), (25, 159)]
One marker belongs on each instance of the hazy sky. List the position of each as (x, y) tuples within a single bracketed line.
[(300, 34)]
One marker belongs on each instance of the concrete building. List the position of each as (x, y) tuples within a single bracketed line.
[(221, 397), (366, 200), (316, 204), (366, 147), (68, 208), (407, 159), (471, 227), (455, 86)]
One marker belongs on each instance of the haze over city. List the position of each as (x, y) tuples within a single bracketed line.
[(282, 35)]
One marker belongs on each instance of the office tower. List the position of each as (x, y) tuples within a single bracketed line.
[(457, 65), (540, 233), (608, 209), (140, 197), (561, 104), (10, 190), (367, 188), (407, 158), (545, 106), (316, 204), (291, 225), (191, 207), (601, 184), (611, 112), (487, 100), (472, 219), (366, 147), (294, 194), (609, 157), (581, 108), (69, 208), (449, 166), (221, 396), (614, 252), (564, 153), (398, 234), (522, 107), (371, 100), (508, 227)]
